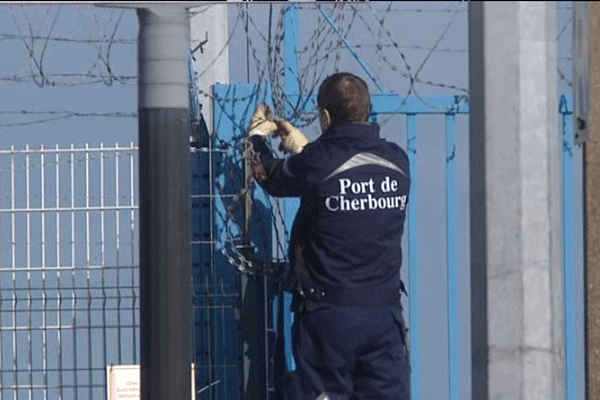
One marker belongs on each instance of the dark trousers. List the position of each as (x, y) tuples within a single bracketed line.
[(350, 353)]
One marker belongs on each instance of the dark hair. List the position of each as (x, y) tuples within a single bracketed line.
[(346, 97)]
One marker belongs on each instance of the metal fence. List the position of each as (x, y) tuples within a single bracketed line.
[(68, 269), (69, 304)]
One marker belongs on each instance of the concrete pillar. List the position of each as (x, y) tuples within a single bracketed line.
[(592, 209), (209, 31), (516, 211)]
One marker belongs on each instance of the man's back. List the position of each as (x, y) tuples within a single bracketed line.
[(353, 209), (345, 255)]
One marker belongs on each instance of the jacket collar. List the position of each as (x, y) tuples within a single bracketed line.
[(353, 130)]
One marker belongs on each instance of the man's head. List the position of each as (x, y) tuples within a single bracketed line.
[(343, 98)]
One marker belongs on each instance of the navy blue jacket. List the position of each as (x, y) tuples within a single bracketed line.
[(345, 241)]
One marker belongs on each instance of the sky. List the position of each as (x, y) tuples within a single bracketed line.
[(68, 76), (61, 68), (63, 81)]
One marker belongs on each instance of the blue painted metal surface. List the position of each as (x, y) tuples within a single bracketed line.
[(574, 290), (451, 264), (349, 47), (413, 258), (391, 103), (386, 104), (449, 107), (453, 281), (413, 106), (424, 105), (230, 320), (290, 205), (202, 267)]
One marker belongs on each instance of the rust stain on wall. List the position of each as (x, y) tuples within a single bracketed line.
[(592, 201)]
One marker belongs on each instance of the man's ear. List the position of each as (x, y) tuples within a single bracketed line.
[(325, 119)]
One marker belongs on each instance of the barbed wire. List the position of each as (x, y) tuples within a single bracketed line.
[(36, 44), (410, 10), (320, 51), (561, 74), (65, 39), (85, 79), (54, 115), (102, 58), (29, 45), (406, 46)]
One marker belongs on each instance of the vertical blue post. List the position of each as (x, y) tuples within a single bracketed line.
[(290, 206), (452, 265), (226, 170), (573, 262), (413, 257)]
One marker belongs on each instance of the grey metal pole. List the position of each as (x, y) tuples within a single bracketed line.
[(516, 203), (165, 263), (478, 215)]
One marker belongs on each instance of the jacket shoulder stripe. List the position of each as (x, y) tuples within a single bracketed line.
[(361, 159)]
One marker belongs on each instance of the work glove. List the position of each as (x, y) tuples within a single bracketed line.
[(261, 123), (292, 138)]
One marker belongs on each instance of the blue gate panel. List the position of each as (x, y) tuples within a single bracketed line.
[(232, 338), (235, 311), (574, 273)]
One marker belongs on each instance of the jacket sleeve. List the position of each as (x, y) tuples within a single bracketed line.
[(284, 177)]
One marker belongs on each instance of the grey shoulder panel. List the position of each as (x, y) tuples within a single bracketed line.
[(361, 159)]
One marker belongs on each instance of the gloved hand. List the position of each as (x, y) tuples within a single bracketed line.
[(261, 123), (292, 138)]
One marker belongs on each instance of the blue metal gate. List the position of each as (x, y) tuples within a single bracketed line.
[(235, 311), (233, 107)]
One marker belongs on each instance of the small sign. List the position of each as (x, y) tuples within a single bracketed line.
[(124, 382)]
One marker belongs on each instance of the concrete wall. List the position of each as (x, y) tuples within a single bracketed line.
[(592, 209), (516, 202), (209, 34)]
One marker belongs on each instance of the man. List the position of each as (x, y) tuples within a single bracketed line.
[(345, 255)]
